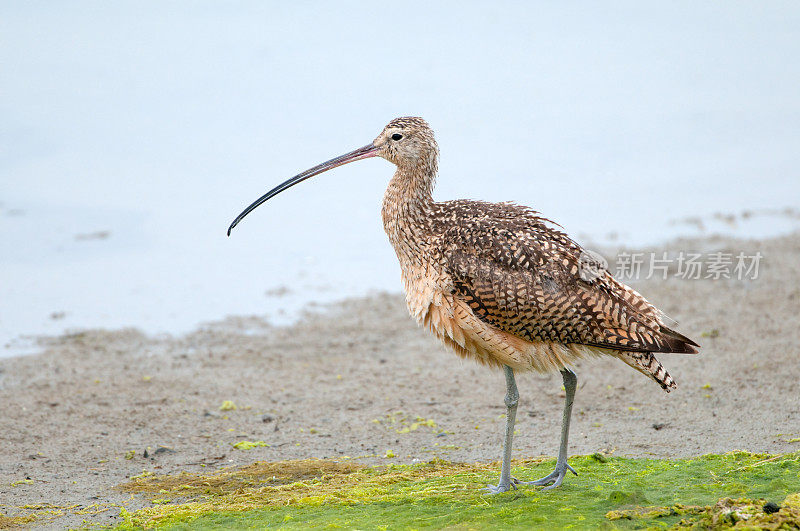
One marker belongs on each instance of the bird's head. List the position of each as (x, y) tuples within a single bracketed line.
[(407, 142)]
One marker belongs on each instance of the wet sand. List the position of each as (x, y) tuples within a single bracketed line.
[(76, 420)]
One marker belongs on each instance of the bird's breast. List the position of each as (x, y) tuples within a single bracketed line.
[(424, 287)]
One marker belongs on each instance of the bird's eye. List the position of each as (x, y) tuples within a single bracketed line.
[(397, 136)]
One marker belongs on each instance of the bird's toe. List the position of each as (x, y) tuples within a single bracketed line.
[(556, 483), (501, 487), (554, 478)]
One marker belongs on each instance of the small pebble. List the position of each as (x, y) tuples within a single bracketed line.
[(771, 507), (164, 449)]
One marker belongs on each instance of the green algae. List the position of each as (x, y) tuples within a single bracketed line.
[(228, 405), (13, 522), (713, 491), (401, 423), (249, 445), (46, 514)]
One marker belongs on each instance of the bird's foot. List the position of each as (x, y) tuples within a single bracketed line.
[(503, 486), (554, 478)]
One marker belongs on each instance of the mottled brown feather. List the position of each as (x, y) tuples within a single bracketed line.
[(522, 275), (498, 283)]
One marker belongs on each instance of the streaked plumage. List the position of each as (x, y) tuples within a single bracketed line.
[(501, 284)]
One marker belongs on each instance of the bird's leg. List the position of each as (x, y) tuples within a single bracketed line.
[(557, 476), (511, 400)]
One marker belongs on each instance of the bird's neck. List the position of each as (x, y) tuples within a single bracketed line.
[(407, 206)]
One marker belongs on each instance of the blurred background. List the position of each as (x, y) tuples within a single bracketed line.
[(132, 133)]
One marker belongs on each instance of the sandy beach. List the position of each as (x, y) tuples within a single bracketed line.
[(360, 379)]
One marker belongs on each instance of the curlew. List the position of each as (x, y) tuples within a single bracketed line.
[(500, 284)]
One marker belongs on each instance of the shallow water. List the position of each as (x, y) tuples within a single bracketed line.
[(133, 133)]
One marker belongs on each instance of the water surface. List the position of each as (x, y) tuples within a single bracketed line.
[(132, 133)]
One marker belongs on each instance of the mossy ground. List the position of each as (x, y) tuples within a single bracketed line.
[(610, 492), (10, 522)]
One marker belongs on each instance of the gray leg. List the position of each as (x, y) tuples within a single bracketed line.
[(557, 476), (512, 398)]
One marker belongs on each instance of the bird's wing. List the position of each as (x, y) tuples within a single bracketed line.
[(527, 278)]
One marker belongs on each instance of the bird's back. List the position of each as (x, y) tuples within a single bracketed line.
[(524, 281)]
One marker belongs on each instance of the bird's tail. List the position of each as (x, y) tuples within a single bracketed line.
[(648, 365)]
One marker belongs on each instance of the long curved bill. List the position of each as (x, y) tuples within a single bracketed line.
[(370, 150)]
